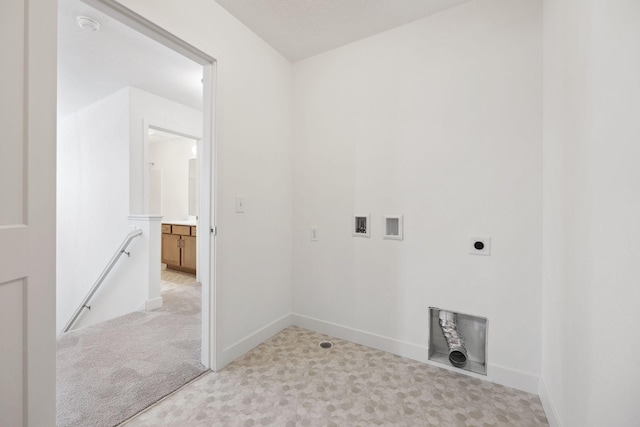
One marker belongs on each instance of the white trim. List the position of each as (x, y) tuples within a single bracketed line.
[(153, 304), (513, 378), (171, 131), (145, 217), (253, 340), (142, 25), (496, 374), (206, 221), (547, 404), (390, 345), (214, 83)]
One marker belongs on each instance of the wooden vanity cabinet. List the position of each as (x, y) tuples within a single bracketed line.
[(179, 247), (188, 259)]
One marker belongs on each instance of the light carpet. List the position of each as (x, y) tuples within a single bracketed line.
[(108, 372)]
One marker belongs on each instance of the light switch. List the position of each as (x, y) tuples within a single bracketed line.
[(239, 204)]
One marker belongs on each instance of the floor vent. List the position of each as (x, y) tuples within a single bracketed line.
[(326, 344)]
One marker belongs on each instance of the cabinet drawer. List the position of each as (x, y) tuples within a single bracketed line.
[(166, 228), (193, 231), (183, 230)]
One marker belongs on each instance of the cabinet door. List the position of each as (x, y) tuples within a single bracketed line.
[(189, 252), (171, 249)]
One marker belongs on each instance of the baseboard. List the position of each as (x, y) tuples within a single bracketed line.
[(239, 348), (380, 342), (153, 304), (549, 408), (513, 378), (497, 374)]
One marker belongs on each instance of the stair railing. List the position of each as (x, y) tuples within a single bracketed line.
[(84, 304)]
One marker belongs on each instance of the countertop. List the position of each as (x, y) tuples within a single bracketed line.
[(183, 222)]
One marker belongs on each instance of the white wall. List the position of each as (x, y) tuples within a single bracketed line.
[(438, 120), (591, 210), (171, 159), (98, 183), (253, 118), (147, 109), (92, 210)]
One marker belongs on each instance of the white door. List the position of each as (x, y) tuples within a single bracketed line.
[(27, 212)]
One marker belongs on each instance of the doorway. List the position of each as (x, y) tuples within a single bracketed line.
[(137, 182), (172, 182)]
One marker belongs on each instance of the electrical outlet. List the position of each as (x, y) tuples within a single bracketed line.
[(480, 245), (314, 234)]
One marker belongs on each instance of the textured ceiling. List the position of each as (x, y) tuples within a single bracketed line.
[(299, 29), (94, 65)]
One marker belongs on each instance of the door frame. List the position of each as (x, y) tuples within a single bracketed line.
[(206, 246)]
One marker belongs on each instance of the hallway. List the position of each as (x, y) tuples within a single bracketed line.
[(110, 371)]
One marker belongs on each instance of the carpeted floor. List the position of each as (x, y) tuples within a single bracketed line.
[(108, 372)]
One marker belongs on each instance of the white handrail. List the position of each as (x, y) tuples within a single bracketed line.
[(121, 250)]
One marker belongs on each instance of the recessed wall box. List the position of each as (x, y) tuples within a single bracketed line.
[(393, 227), (458, 340), (361, 226)]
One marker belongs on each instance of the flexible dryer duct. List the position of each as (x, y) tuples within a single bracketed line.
[(457, 351)]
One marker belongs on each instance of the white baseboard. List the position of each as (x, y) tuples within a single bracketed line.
[(153, 304), (239, 348), (497, 374), (549, 408), (390, 345), (513, 378)]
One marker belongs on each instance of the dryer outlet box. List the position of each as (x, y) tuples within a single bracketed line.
[(480, 245)]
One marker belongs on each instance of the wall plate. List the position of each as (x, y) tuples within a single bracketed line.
[(240, 204), (480, 245), (393, 227), (361, 225)]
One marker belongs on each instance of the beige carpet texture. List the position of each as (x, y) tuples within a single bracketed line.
[(108, 372)]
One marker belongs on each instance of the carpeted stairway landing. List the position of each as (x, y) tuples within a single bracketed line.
[(108, 372)]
